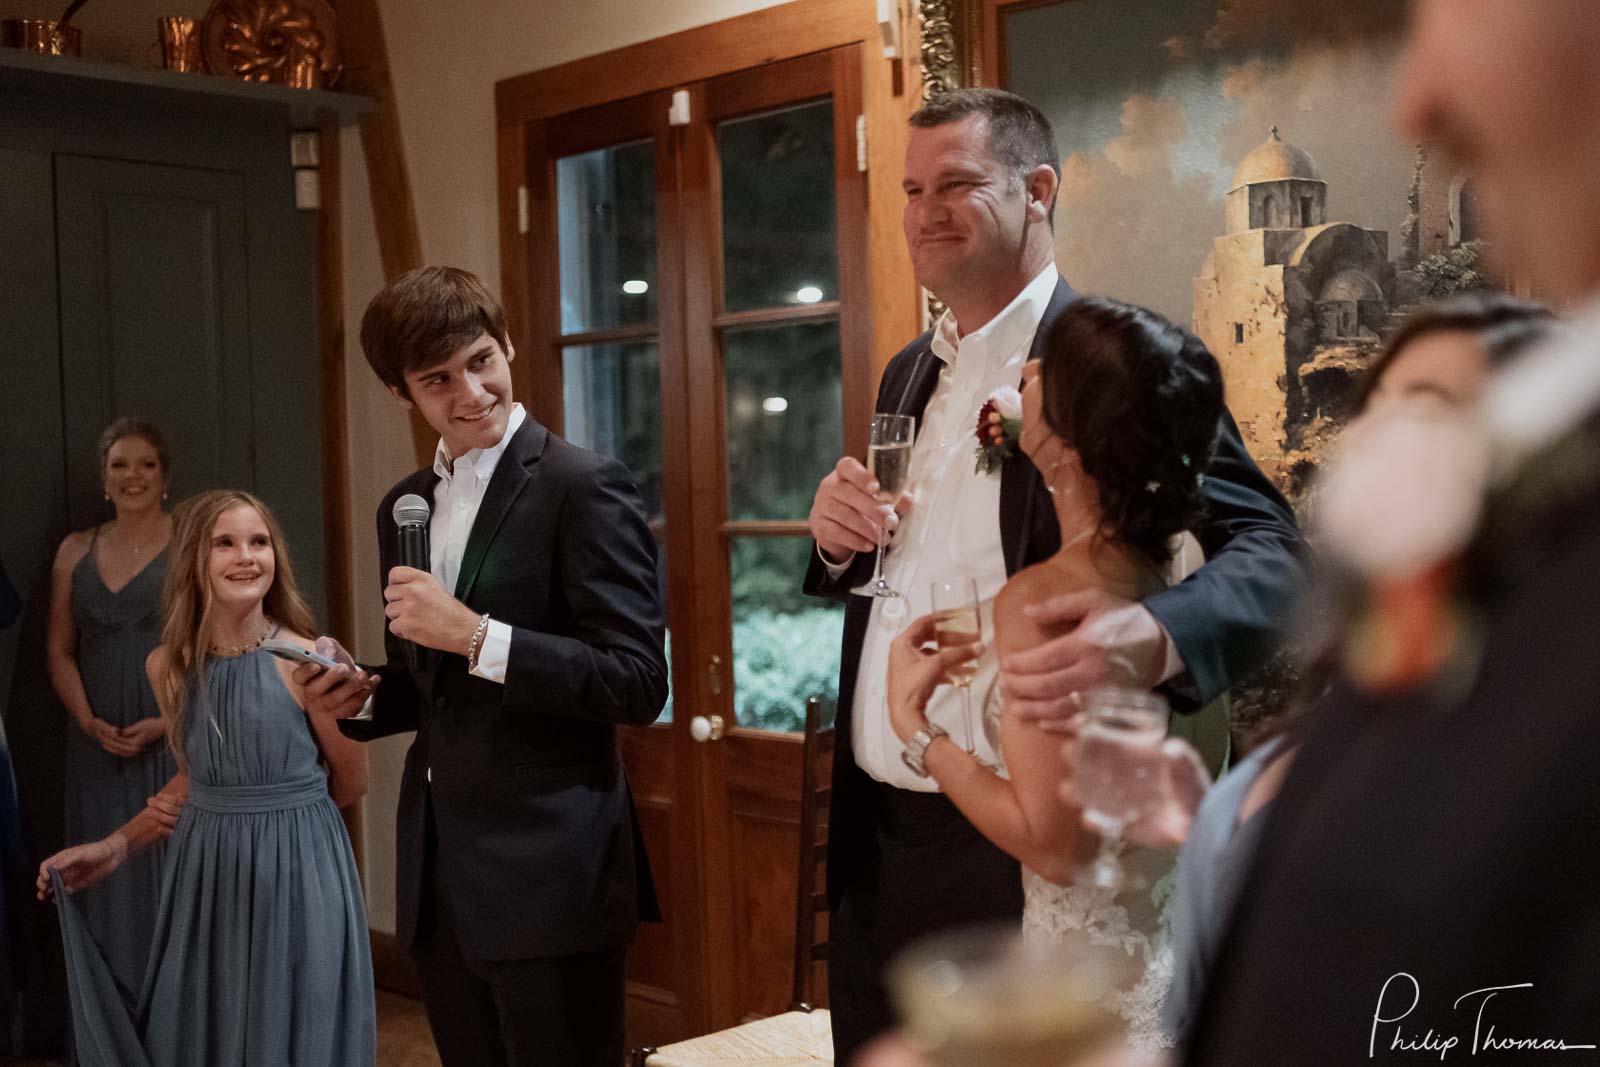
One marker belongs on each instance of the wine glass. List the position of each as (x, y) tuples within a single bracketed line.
[(956, 622), (889, 461), (983, 995), (1117, 771)]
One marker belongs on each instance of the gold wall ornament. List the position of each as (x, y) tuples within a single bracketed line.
[(941, 64), (941, 72), (286, 42)]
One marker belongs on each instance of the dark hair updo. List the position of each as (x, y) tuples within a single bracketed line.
[(1139, 399)]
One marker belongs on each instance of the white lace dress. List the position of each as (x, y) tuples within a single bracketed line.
[(1137, 921)]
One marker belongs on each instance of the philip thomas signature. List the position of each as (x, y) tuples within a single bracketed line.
[(1484, 1038)]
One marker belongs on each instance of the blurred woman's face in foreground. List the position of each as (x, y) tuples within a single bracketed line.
[(1446, 370)]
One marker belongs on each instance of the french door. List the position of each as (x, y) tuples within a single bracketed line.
[(699, 268)]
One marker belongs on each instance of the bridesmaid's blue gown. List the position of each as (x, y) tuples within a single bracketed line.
[(116, 631), (260, 954)]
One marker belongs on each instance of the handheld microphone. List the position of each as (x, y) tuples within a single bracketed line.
[(411, 530)]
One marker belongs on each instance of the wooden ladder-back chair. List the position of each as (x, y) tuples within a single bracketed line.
[(800, 1035)]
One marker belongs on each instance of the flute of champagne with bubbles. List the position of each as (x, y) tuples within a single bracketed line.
[(1116, 771), (956, 622), (889, 461)]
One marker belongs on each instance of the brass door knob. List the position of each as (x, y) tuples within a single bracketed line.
[(706, 728)]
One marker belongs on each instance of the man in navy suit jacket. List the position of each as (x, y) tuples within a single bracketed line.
[(980, 181), (520, 871)]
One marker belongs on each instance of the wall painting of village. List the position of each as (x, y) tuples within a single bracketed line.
[(1230, 164)]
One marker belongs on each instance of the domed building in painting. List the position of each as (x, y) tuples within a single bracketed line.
[(1288, 301)]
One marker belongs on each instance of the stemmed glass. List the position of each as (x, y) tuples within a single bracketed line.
[(978, 996), (956, 622), (1117, 768), (889, 461)]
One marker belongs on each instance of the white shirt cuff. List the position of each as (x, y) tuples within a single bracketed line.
[(365, 714), (1172, 663), (835, 569), (495, 653)]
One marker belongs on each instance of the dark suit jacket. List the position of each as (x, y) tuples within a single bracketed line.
[(537, 843), (1222, 619), (1452, 838)]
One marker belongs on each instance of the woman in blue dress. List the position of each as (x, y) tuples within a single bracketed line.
[(260, 950), (105, 618)]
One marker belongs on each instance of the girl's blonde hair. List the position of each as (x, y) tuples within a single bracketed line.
[(186, 600)]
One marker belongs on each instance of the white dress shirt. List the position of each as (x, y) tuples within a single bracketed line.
[(952, 530), (456, 500)]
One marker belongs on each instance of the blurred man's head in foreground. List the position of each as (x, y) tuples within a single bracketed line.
[(1509, 89)]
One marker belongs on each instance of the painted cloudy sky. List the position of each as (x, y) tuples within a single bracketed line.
[(1154, 102)]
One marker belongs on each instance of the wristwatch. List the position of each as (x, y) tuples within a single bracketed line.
[(916, 750)]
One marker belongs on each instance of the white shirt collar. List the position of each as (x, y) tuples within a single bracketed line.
[(1545, 393), (482, 460), (1006, 332)]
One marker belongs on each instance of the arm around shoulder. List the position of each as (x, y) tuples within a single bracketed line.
[(1226, 617)]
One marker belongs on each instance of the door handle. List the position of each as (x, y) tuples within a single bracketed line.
[(706, 728)]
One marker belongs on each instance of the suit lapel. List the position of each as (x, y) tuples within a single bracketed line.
[(511, 476), (909, 396), (1021, 487)]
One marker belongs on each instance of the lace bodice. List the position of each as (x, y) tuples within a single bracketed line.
[(1137, 921)]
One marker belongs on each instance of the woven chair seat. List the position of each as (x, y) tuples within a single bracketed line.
[(793, 1038)]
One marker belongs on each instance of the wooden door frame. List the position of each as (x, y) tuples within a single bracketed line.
[(749, 755), (546, 141)]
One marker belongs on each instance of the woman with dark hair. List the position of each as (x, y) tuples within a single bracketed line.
[(1119, 417), (105, 618), (1441, 357)]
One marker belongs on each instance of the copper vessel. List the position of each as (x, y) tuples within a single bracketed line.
[(180, 44), (47, 36)]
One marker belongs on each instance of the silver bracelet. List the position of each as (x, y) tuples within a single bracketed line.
[(476, 644)]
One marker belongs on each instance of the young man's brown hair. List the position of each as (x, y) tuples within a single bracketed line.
[(423, 316)]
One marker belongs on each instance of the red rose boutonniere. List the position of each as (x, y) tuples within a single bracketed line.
[(999, 427)]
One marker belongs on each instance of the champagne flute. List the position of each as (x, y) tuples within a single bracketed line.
[(889, 461), (956, 622), (1117, 771)]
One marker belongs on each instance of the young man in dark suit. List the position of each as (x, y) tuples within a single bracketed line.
[(1427, 880), (520, 871), (980, 180)]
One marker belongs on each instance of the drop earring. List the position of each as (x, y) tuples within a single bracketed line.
[(1050, 478)]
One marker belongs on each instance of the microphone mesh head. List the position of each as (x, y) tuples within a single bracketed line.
[(411, 510)]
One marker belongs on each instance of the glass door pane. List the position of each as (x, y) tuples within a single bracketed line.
[(611, 372), (611, 395), (783, 422), (607, 237), (782, 400), (779, 244)]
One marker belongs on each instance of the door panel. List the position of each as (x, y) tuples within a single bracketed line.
[(154, 318), (706, 343)]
